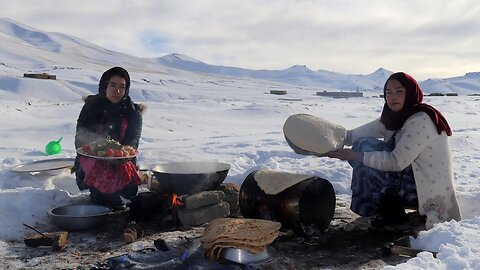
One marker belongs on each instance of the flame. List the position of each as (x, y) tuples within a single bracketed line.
[(176, 200)]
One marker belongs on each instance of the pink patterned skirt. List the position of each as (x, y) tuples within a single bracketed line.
[(109, 177)]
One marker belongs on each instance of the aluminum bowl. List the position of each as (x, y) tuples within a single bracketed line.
[(245, 257), (79, 217)]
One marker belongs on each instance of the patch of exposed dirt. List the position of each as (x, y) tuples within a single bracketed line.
[(349, 243)]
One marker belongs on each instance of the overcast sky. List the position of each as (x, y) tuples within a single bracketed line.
[(426, 38)]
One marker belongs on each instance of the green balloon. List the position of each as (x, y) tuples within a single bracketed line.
[(53, 147)]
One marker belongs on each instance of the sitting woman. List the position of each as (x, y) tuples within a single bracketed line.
[(110, 114), (410, 167)]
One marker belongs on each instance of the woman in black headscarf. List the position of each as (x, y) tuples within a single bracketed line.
[(110, 114), (410, 167)]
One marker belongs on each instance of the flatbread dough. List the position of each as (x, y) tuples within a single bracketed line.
[(273, 182), (312, 135), (244, 228), (252, 235)]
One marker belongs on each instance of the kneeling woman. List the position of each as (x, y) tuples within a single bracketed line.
[(410, 167), (109, 114)]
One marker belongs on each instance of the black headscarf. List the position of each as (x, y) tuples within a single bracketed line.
[(113, 112), (413, 104), (107, 75)]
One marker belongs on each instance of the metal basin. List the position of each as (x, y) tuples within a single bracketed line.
[(190, 177), (306, 207), (79, 217), (245, 257)]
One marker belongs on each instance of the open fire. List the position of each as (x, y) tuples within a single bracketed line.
[(194, 206), (176, 201)]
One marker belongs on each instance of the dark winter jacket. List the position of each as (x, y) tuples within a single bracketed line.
[(99, 119)]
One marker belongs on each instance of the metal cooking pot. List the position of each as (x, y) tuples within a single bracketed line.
[(190, 177), (79, 217), (245, 257), (306, 207)]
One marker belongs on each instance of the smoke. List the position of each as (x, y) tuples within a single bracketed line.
[(192, 167)]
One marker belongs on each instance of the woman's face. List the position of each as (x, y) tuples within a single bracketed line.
[(116, 89), (395, 95)]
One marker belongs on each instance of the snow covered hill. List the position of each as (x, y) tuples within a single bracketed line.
[(24, 49)]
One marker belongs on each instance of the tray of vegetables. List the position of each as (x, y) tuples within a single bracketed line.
[(108, 150)]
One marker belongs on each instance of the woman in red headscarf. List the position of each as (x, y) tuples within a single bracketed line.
[(410, 167)]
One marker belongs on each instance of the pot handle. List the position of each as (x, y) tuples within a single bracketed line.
[(146, 176)]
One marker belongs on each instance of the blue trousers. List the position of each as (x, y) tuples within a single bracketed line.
[(369, 185)]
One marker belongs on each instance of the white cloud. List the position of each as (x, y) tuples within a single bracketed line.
[(425, 38)]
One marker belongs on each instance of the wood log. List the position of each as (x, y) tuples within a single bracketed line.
[(57, 240)]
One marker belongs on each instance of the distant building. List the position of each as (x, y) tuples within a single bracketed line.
[(44, 76), (290, 99), (278, 92), (340, 94)]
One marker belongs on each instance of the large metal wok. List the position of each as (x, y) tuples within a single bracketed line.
[(189, 177)]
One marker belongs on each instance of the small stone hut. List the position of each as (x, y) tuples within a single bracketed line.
[(43, 76)]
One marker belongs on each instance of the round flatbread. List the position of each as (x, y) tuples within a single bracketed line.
[(312, 135), (248, 234), (273, 182), (239, 228)]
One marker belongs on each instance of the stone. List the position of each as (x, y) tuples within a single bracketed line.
[(232, 192), (203, 214), (226, 187), (203, 198)]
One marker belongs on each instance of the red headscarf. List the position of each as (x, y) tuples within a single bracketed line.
[(413, 104)]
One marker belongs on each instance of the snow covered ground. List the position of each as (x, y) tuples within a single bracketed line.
[(193, 116)]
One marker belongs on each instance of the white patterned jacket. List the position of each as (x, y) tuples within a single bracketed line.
[(419, 144)]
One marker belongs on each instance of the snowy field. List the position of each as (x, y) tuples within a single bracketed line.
[(193, 116), (202, 118)]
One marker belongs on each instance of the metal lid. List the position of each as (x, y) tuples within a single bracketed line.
[(44, 165)]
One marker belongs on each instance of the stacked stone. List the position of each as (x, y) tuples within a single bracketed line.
[(203, 207), (231, 191)]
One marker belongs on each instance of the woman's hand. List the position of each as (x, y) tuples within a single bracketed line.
[(346, 154)]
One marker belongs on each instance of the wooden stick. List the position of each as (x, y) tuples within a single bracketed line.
[(30, 227), (401, 250)]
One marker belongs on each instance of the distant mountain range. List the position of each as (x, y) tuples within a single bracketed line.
[(25, 48), (299, 75)]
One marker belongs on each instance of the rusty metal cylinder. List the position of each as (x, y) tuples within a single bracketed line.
[(306, 207)]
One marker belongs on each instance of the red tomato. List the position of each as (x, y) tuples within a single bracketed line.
[(110, 152), (86, 148), (119, 153), (132, 152)]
